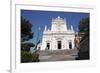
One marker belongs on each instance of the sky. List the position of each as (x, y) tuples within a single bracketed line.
[(41, 18)]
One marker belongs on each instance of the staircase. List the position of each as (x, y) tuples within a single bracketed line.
[(57, 55)]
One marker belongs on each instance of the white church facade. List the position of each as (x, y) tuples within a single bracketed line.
[(59, 37)]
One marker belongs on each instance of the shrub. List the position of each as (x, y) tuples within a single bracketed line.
[(29, 57)]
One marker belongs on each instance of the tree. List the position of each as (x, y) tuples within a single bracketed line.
[(26, 30), (84, 25), (26, 34), (84, 43), (26, 46)]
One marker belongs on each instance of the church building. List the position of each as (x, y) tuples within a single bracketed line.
[(59, 37)]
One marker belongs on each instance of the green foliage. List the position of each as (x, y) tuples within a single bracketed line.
[(26, 35), (26, 46), (29, 57), (26, 30), (84, 25), (84, 43)]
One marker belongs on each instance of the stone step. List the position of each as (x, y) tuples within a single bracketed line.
[(57, 52), (57, 55), (56, 58)]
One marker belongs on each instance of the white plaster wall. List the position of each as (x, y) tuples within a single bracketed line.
[(53, 41), (70, 38), (43, 44)]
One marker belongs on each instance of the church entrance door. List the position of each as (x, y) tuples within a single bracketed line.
[(70, 45), (59, 44), (48, 46)]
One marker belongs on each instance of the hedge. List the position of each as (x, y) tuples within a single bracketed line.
[(29, 57)]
